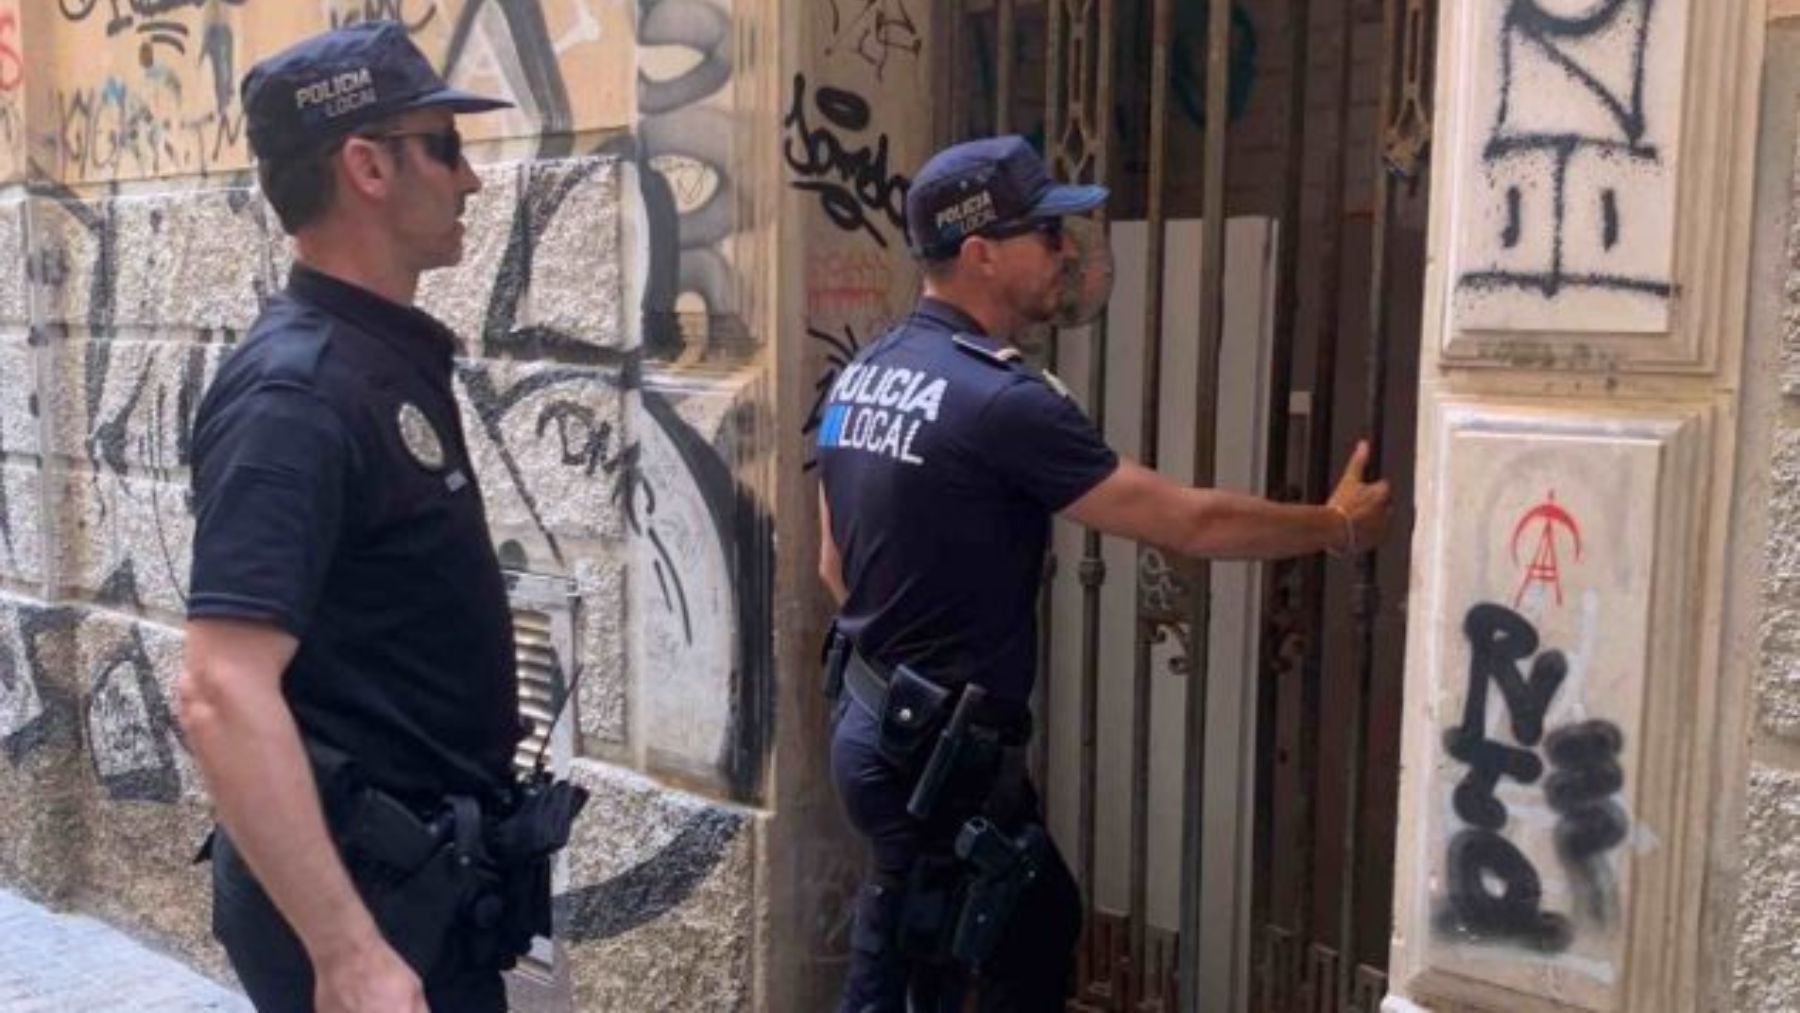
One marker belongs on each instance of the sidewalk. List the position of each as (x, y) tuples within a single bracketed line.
[(57, 963)]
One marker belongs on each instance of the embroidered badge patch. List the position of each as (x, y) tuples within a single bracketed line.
[(421, 439)]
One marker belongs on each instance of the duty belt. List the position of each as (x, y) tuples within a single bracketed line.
[(867, 684)]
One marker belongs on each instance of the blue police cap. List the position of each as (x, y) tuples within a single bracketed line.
[(323, 88), (982, 186)]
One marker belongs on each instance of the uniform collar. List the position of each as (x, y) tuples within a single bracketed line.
[(940, 314), (412, 332)]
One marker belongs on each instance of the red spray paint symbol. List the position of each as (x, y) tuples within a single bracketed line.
[(1544, 568), (12, 69)]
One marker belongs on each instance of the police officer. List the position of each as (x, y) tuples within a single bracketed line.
[(346, 600), (942, 460)]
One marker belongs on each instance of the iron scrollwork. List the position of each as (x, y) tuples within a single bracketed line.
[(1164, 589)]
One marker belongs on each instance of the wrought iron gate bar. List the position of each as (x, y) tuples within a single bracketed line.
[(1212, 308), (1152, 624), (1006, 44), (1282, 622), (1395, 118), (1319, 432), (1079, 90)]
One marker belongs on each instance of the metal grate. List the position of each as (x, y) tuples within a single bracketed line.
[(541, 683)]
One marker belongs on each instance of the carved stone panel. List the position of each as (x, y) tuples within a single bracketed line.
[(1550, 651), (1567, 160)]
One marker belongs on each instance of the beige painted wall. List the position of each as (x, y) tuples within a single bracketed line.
[(119, 95)]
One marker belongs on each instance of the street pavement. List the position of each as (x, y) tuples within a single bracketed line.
[(62, 963)]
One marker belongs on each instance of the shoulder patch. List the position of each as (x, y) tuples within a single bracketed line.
[(1011, 358), (1005, 358)]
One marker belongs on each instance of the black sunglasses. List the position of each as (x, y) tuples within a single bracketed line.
[(445, 146)]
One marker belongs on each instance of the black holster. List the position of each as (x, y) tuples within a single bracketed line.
[(453, 871)]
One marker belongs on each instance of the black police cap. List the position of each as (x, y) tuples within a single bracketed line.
[(982, 186), (325, 87)]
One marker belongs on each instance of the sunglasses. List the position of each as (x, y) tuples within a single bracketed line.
[(1050, 229), (445, 146)]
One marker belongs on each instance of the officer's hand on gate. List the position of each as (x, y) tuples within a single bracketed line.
[(369, 980), (1367, 504)]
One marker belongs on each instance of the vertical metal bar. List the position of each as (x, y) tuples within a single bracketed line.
[(1318, 476), (1212, 319), (1041, 690), (1281, 370), (1006, 46), (1055, 79), (1366, 598), (1275, 587), (1095, 67), (1149, 420)]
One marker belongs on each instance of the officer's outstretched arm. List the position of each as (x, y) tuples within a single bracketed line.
[(244, 738), (1137, 503)]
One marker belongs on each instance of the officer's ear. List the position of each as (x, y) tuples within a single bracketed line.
[(979, 256), (366, 165)]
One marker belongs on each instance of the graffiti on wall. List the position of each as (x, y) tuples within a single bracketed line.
[(1577, 160), (839, 350), (1495, 892), (1534, 801), (12, 92), (874, 31), (684, 137), (841, 160), (154, 91), (1545, 525), (118, 713)]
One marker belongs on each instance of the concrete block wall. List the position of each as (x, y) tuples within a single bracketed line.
[(615, 401)]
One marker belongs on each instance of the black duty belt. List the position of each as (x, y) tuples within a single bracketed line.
[(867, 684)]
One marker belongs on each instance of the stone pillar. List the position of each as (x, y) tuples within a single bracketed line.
[(1584, 330), (854, 121), (1759, 884)]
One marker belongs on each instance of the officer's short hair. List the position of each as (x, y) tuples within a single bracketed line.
[(938, 269), (299, 187)]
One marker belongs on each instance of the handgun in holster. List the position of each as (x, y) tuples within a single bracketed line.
[(1005, 867)]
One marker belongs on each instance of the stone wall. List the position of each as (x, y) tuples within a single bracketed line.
[(616, 398), (1765, 964)]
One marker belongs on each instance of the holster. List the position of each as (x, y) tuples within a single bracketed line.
[(522, 846), (455, 872), (1004, 867)]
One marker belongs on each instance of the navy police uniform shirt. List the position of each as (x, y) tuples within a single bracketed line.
[(334, 498), (942, 462)]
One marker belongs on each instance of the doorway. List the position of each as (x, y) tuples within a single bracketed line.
[(1227, 799)]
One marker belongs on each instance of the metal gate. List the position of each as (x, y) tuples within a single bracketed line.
[(1284, 900)]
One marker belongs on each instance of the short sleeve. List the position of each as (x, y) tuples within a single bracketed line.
[(269, 491), (1042, 444)]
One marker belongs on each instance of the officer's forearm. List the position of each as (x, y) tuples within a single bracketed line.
[(1230, 525), (248, 748)]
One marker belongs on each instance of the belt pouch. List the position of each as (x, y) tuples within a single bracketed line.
[(832, 658), (910, 713)]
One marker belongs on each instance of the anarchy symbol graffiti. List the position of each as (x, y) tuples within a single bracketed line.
[(1544, 568)]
